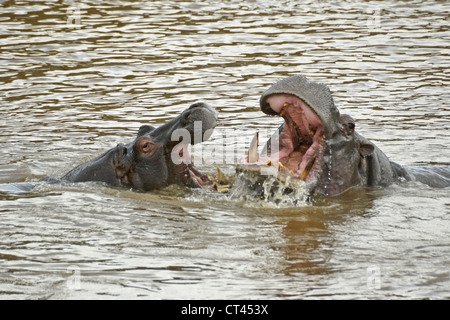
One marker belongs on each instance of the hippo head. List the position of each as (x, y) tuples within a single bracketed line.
[(316, 143), (157, 158)]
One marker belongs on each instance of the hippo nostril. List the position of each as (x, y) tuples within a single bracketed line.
[(123, 151)]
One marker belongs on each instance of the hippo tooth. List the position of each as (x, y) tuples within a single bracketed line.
[(221, 177), (308, 168), (253, 150), (221, 188), (283, 111), (282, 167)]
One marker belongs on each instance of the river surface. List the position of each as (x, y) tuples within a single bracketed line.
[(78, 77)]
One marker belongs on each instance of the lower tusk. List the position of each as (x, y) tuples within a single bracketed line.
[(308, 168), (253, 150), (221, 177)]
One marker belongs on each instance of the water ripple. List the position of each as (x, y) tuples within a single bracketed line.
[(78, 77)]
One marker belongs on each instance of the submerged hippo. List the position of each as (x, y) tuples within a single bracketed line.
[(320, 146), (157, 158)]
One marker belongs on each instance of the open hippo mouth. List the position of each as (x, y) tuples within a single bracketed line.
[(301, 140), (193, 178), (185, 170), (297, 149)]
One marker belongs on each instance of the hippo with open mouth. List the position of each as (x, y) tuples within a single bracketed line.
[(156, 158), (320, 146)]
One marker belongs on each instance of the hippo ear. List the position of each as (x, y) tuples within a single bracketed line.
[(366, 148), (144, 130), (348, 124)]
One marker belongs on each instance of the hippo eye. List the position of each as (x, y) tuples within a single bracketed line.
[(145, 145)]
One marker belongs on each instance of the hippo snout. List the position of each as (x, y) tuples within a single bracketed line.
[(122, 164), (122, 150)]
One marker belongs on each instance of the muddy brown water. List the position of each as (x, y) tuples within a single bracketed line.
[(78, 77)]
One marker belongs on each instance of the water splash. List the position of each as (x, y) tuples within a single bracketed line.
[(269, 190)]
